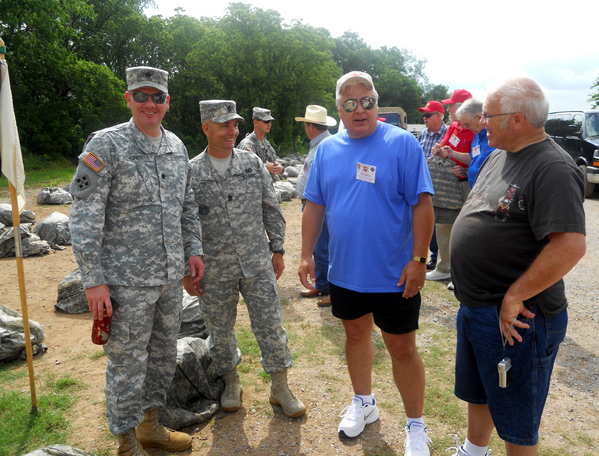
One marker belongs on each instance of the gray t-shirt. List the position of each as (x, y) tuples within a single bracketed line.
[(517, 200)]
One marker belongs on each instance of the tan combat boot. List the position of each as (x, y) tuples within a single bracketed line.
[(152, 434), (129, 445), (230, 399), (280, 394)]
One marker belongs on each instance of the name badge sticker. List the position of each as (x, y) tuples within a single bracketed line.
[(366, 173), (475, 151), (454, 140)]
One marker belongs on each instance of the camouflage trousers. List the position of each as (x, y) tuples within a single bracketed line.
[(142, 351), (219, 308)]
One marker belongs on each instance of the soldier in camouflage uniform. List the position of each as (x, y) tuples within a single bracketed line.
[(133, 224), (238, 209), (257, 143)]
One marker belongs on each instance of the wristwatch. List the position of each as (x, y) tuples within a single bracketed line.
[(419, 259), (282, 251)]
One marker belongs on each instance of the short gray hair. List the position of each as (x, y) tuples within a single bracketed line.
[(523, 95), (338, 101), (471, 106)]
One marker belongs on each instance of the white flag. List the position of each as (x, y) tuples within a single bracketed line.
[(10, 147)]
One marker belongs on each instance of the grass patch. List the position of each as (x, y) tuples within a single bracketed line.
[(22, 432), (97, 355), (52, 177)]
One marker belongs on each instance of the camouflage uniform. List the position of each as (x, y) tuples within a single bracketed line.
[(133, 226), (262, 149), (237, 211)]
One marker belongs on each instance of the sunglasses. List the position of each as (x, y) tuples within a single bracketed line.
[(142, 97), (428, 114), (265, 121), (367, 103)]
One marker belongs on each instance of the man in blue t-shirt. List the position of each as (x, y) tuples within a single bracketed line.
[(373, 184)]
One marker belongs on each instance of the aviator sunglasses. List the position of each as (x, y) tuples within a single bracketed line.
[(142, 97), (367, 103)]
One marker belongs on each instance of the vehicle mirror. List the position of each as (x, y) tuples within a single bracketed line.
[(572, 130)]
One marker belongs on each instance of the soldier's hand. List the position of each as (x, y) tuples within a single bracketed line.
[(278, 264), (194, 288), (98, 297), (277, 169), (196, 268)]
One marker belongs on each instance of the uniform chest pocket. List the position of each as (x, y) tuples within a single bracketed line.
[(136, 181)]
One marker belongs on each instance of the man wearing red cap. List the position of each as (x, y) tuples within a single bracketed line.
[(432, 115), (458, 139)]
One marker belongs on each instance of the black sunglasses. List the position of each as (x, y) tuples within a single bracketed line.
[(265, 121), (367, 103), (428, 114), (142, 97)]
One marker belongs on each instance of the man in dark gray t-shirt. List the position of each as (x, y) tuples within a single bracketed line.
[(520, 231)]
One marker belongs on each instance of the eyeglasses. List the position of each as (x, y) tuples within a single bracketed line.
[(429, 114), (367, 103), (265, 121), (467, 124), (486, 116), (142, 97)]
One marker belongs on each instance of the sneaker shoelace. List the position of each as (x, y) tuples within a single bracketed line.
[(417, 439), (456, 447), (353, 411)]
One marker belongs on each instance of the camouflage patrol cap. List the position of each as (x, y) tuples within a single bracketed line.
[(138, 77), (219, 111), (262, 114)]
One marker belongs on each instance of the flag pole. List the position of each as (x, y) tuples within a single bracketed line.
[(21, 273)]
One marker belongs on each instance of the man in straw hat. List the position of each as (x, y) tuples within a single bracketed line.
[(243, 234), (134, 226), (316, 123)]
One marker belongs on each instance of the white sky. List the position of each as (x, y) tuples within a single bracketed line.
[(465, 47)]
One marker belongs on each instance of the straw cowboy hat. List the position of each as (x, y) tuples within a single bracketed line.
[(318, 115)]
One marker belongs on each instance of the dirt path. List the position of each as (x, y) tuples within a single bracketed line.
[(570, 424)]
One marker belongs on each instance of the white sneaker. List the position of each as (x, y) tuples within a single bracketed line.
[(357, 416), (459, 449), (450, 286), (436, 275), (417, 440)]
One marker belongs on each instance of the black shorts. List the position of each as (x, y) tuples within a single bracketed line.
[(393, 313)]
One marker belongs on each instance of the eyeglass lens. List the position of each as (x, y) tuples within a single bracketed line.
[(367, 103), (142, 97)]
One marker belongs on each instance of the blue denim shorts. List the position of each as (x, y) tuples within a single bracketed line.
[(517, 409)]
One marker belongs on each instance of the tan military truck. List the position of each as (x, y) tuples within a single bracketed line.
[(394, 116)]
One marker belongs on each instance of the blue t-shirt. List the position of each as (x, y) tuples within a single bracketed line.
[(370, 223), (482, 142)]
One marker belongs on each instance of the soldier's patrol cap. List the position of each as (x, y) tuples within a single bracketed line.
[(262, 114), (219, 111), (138, 77)]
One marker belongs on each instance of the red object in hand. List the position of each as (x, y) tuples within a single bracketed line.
[(101, 330)]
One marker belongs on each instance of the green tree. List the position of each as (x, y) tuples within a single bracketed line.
[(59, 98), (594, 99)]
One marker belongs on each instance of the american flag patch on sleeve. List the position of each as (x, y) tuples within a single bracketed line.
[(93, 162)]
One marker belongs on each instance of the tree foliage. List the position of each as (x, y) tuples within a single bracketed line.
[(68, 61), (594, 99)]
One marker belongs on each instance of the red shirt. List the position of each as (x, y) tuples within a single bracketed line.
[(462, 138)]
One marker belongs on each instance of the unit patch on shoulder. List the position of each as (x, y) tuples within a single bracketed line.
[(93, 162)]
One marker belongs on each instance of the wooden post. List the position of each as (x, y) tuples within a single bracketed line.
[(21, 273)]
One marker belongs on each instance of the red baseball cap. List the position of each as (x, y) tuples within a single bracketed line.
[(433, 106), (458, 96)]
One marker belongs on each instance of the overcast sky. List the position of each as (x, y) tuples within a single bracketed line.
[(554, 44)]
